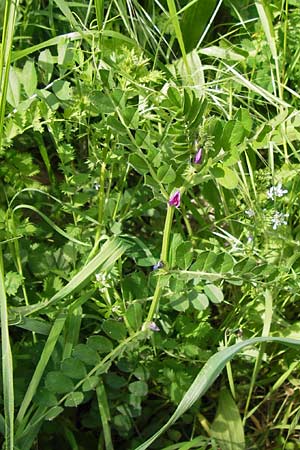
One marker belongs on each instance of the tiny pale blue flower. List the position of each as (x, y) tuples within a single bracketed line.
[(175, 199), (153, 326), (158, 265), (276, 191)]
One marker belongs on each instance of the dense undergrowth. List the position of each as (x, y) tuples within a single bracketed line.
[(149, 223)]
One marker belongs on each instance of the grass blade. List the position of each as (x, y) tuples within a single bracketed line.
[(267, 25), (266, 330), (38, 373), (63, 6), (5, 56), (7, 365), (105, 415), (227, 427), (99, 5), (111, 251), (206, 377), (52, 224), (176, 25)]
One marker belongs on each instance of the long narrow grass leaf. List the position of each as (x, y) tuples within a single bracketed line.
[(99, 6), (206, 377), (7, 365), (10, 12), (65, 9), (105, 415), (175, 22), (38, 373), (52, 224), (109, 253)]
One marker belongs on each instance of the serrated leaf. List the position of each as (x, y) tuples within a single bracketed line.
[(102, 103), (13, 281), (116, 125), (205, 261)]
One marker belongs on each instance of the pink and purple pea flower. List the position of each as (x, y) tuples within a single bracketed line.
[(175, 199)]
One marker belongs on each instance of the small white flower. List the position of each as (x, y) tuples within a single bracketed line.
[(99, 276), (249, 212), (276, 191), (96, 186), (278, 219)]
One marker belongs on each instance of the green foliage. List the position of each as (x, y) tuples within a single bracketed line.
[(118, 308)]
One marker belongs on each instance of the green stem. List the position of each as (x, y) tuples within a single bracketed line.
[(100, 210), (167, 233), (164, 257)]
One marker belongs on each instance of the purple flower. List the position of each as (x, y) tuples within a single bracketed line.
[(198, 156), (157, 266), (175, 199), (153, 327)]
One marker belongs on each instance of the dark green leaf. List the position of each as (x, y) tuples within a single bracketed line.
[(115, 330), (73, 368), (100, 343), (86, 354), (58, 383)]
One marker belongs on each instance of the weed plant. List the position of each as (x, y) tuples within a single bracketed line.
[(149, 225)]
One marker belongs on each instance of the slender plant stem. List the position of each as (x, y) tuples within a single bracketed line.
[(164, 257), (100, 210)]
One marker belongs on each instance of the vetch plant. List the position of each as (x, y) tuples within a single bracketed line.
[(198, 156), (175, 199), (101, 157)]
